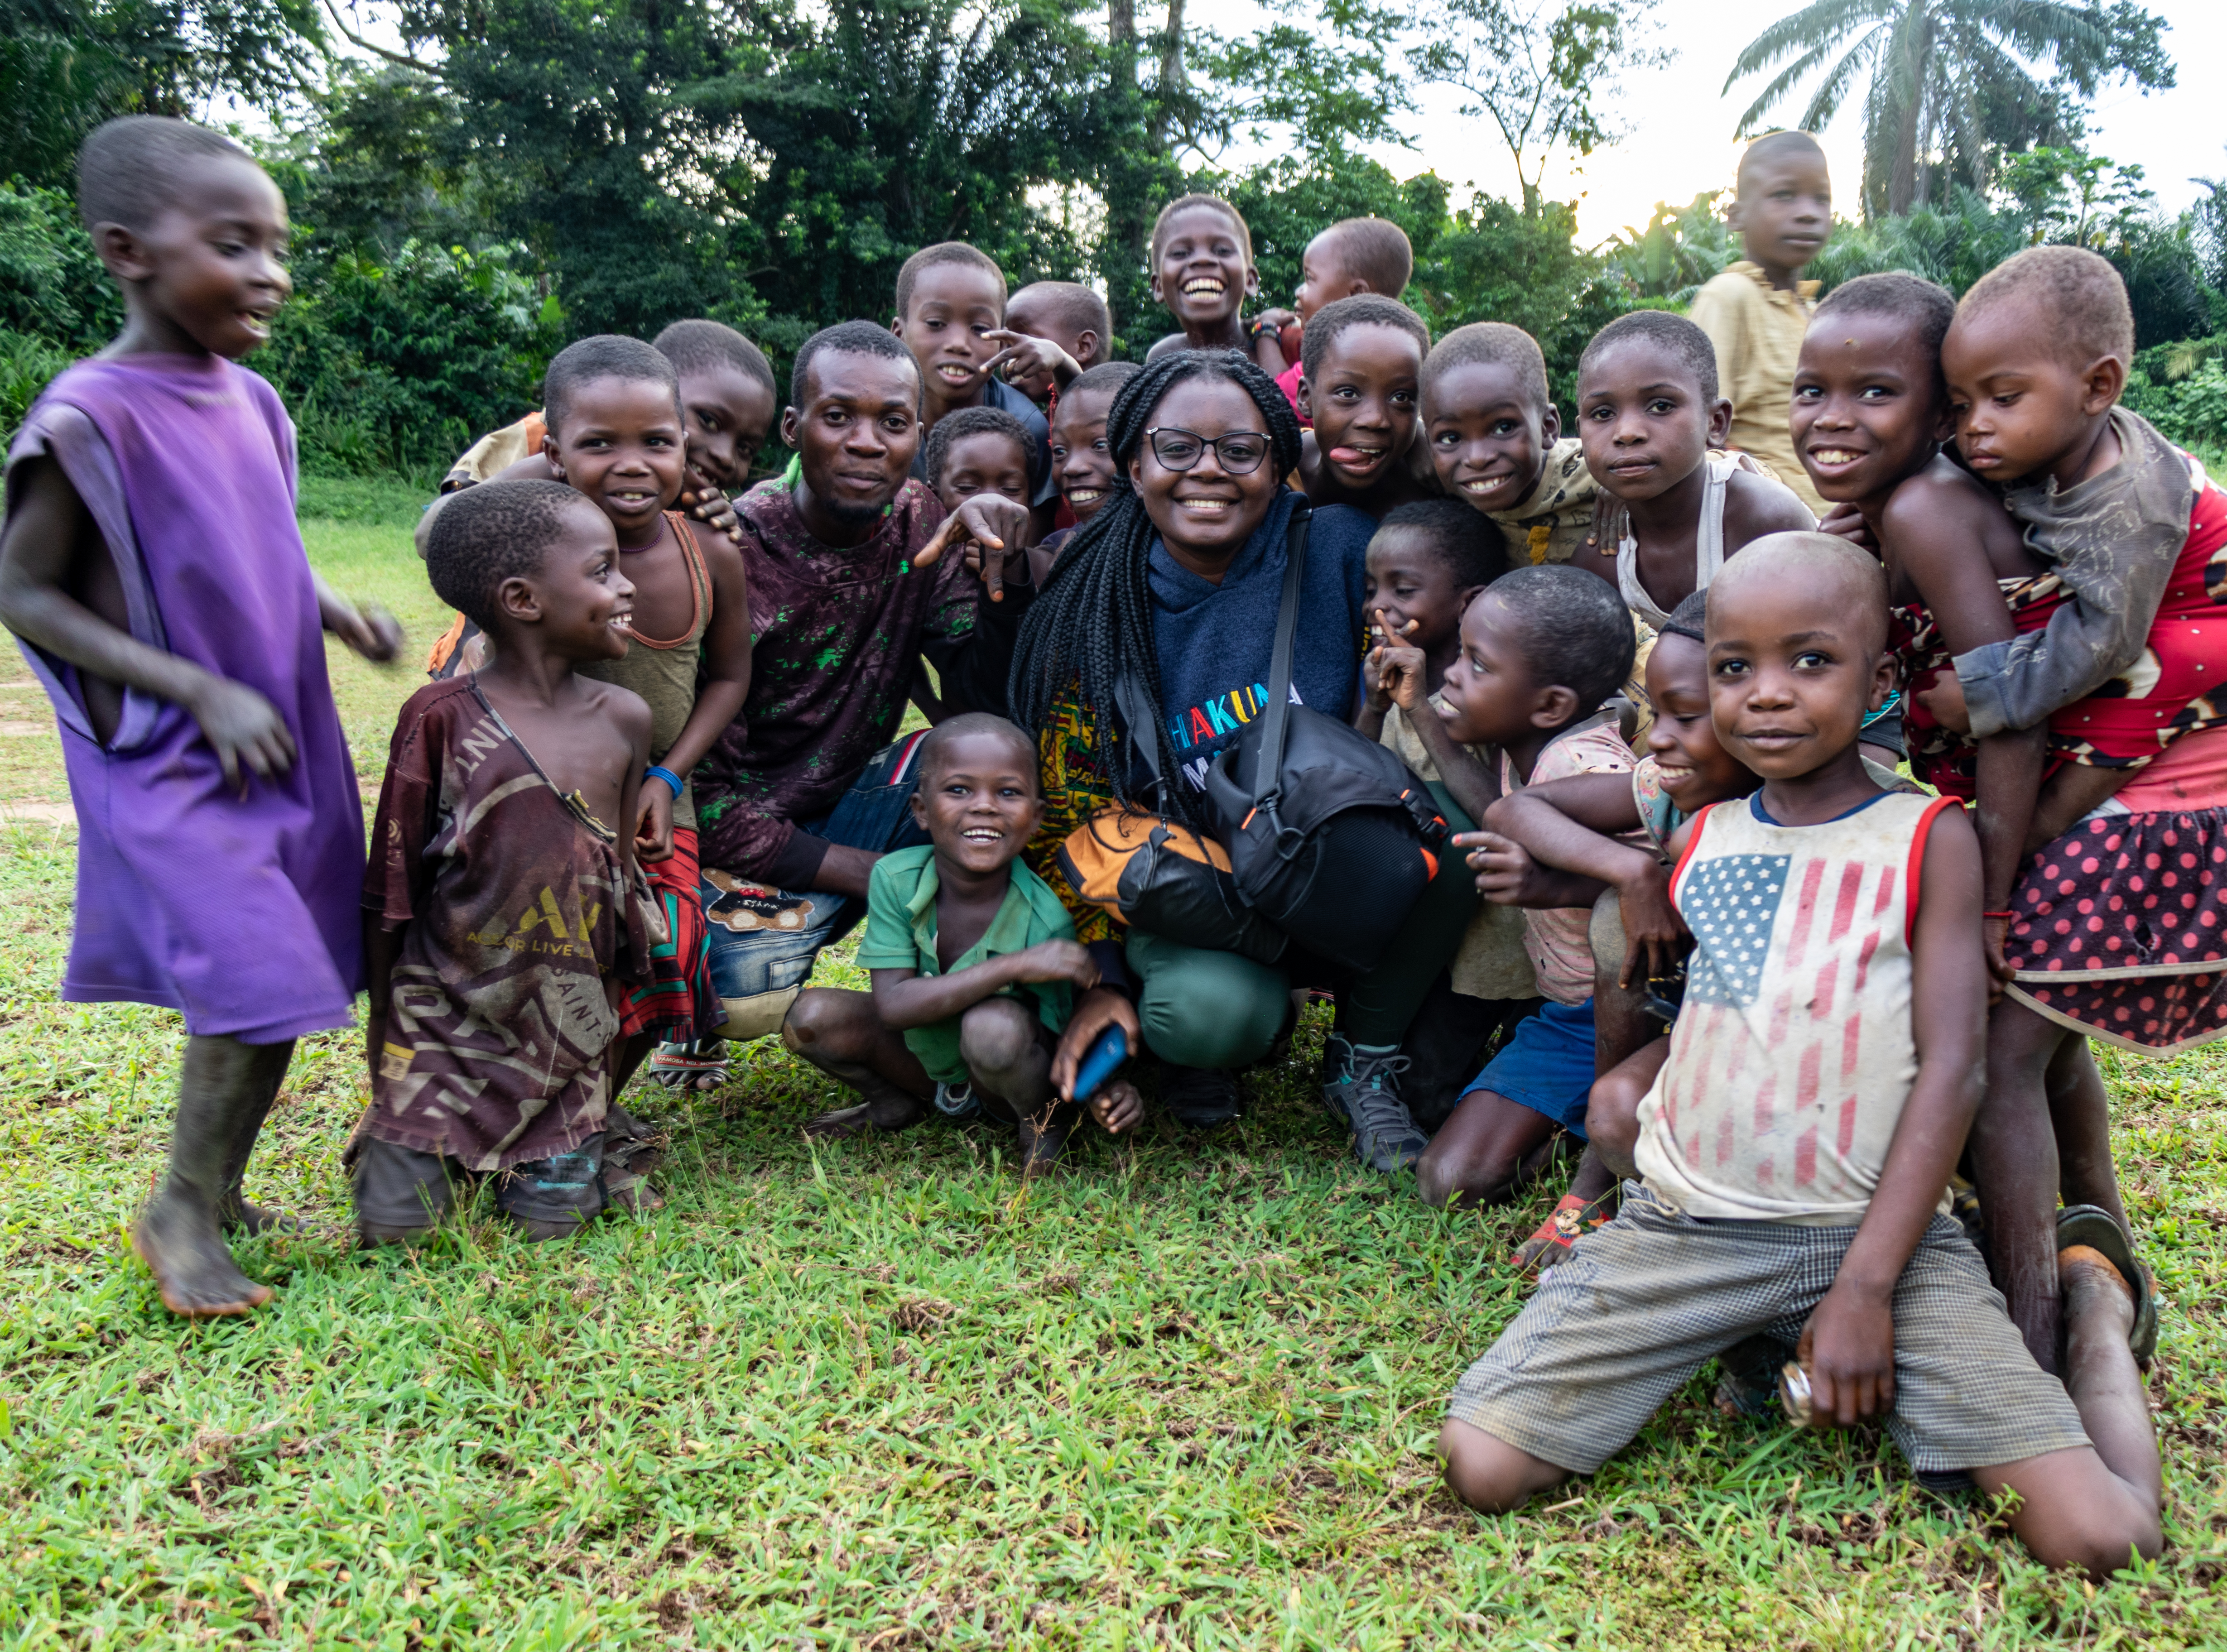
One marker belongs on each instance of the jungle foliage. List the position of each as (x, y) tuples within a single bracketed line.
[(481, 179)]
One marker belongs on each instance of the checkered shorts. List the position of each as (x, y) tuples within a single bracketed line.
[(1640, 1303)]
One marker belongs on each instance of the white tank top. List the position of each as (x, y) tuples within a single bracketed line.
[(1717, 469), (1793, 1052)]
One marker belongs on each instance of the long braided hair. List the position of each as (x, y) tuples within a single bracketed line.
[(1091, 627)]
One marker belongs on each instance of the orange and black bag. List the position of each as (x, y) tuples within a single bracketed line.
[(1146, 870)]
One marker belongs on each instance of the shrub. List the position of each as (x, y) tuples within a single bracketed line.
[(56, 301), (2182, 389), (1493, 263), (52, 285), (1681, 249), (399, 365), (26, 364)]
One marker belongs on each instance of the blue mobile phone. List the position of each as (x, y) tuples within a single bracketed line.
[(1101, 1062)]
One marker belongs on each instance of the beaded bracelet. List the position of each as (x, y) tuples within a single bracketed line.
[(665, 775)]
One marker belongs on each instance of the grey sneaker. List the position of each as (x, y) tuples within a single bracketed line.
[(1385, 1135)]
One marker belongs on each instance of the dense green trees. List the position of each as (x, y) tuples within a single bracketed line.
[(485, 178), (66, 66), (1946, 85)]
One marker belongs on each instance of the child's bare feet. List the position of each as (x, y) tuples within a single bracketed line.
[(886, 1109), (182, 1247), (1117, 1107)]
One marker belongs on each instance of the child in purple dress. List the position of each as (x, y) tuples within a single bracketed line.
[(151, 567)]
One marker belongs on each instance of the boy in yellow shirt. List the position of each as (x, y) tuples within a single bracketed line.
[(1757, 311)]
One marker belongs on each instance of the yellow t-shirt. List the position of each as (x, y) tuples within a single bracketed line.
[(1757, 330)]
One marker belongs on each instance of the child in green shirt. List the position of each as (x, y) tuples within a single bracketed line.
[(974, 960)]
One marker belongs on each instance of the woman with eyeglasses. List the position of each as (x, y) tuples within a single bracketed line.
[(1146, 653)]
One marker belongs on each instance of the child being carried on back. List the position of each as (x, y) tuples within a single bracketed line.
[(504, 909), (1795, 1149), (2112, 579), (973, 956)]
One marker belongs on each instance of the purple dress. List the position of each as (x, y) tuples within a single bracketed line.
[(241, 911)]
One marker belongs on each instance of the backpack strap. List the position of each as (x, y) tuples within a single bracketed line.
[(1144, 737), (1268, 762)]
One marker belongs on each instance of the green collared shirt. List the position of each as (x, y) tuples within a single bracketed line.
[(900, 934)]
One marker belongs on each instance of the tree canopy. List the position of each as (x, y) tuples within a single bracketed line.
[(1947, 86), (473, 182)]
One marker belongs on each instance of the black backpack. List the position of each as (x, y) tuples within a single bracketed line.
[(1331, 838)]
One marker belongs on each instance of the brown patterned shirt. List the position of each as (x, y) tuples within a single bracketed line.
[(502, 1018)]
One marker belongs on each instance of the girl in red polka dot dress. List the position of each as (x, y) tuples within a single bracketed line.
[(2117, 925)]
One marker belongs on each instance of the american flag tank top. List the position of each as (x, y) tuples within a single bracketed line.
[(1793, 1053)]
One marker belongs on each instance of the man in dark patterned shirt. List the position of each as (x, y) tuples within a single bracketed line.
[(849, 589)]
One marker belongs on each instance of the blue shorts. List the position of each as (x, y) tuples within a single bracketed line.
[(764, 941), (1547, 1065)]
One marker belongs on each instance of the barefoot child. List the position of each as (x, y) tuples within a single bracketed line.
[(1616, 829), (1648, 410), (1541, 649), (1425, 562), (151, 567), (973, 956), (1362, 386), (1757, 311), (2113, 921), (505, 914), (1795, 1150), (615, 435)]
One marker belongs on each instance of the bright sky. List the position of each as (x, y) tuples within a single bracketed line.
[(1680, 139)]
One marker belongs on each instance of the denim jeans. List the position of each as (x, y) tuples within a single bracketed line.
[(765, 940)]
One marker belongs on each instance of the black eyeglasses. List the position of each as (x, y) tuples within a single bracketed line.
[(1239, 453)]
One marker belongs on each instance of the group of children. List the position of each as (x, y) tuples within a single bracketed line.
[(1765, 988)]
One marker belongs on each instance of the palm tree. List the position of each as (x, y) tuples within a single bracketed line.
[(1939, 78)]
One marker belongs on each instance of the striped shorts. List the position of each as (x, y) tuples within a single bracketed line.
[(1642, 1303)]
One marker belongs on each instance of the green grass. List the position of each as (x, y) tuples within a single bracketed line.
[(882, 1396)]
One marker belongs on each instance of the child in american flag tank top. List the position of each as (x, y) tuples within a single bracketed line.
[(1797, 1010), (1796, 1147)]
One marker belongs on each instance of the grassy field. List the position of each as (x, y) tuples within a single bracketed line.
[(880, 1395)]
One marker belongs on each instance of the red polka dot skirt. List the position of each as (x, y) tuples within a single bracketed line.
[(2120, 930)]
